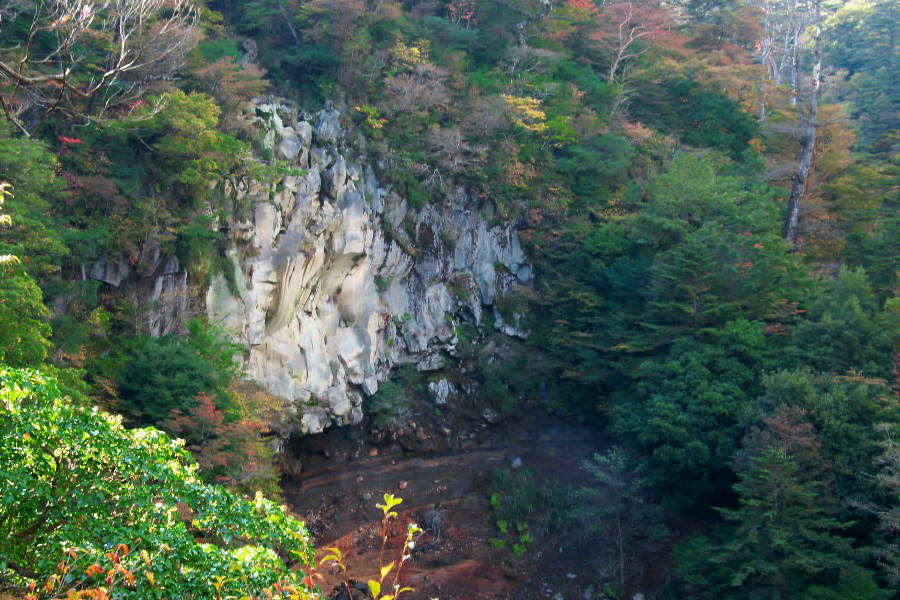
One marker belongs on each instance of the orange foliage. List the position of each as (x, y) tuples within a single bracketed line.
[(630, 29), (585, 6), (231, 452)]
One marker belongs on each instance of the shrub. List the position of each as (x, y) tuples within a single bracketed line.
[(74, 477), (163, 374)]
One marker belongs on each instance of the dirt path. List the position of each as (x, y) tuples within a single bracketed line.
[(337, 496)]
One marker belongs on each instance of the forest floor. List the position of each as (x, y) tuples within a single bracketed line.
[(344, 476)]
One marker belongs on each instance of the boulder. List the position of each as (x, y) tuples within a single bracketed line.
[(113, 272), (290, 145), (327, 129)]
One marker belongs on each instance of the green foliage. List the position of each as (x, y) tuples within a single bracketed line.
[(667, 305), (866, 200), (698, 114), (846, 412), (215, 49), (887, 476), (159, 375), (846, 330), (23, 338), (540, 506), (689, 411), (701, 260), (617, 507), (191, 153), (26, 329), (75, 478), (595, 168), (861, 39), (392, 404), (784, 538), (37, 233)]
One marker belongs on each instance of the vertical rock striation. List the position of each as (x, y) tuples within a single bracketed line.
[(333, 279)]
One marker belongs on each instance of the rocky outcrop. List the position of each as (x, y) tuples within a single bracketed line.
[(334, 279)]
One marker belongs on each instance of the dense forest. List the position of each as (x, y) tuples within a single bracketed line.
[(230, 229)]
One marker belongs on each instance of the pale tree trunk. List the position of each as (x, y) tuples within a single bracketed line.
[(765, 56), (808, 126), (287, 21), (795, 67), (520, 27)]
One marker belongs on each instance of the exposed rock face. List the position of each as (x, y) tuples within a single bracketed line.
[(335, 280)]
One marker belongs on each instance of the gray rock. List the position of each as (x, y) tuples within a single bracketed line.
[(491, 416), (434, 520), (337, 280), (339, 403), (440, 391), (314, 421), (327, 129), (289, 146), (304, 133), (356, 416), (169, 300), (319, 159), (334, 179), (113, 272)]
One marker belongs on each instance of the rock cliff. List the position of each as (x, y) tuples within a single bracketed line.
[(334, 279)]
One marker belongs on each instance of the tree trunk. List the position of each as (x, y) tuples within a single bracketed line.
[(520, 27), (795, 67), (762, 101), (808, 127), (287, 21), (621, 552)]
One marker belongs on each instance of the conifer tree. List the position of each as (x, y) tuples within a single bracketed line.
[(785, 540)]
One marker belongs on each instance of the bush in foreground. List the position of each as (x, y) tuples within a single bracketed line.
[(74, 479)]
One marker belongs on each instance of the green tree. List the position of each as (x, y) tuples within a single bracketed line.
[(783, 540), (845, 411), (190, 151), (846, 330), (689, 410), (887, 477), (159, 375), (23, 338), (617, 506), (862, 42), (700, 114), (74, 477), (36, 233), (26, 328)]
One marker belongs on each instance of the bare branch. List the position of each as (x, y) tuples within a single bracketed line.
[(135, 42)]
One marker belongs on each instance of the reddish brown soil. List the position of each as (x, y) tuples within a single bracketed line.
[(337, 494)]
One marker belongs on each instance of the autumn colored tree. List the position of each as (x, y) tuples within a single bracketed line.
[(229, 452), (630, 29), (230, 84)]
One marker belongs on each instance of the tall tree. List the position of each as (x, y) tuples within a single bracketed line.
[(784, 541), (618, 507), (809, 123)]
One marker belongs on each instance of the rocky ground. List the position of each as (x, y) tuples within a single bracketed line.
[(344, 476)]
